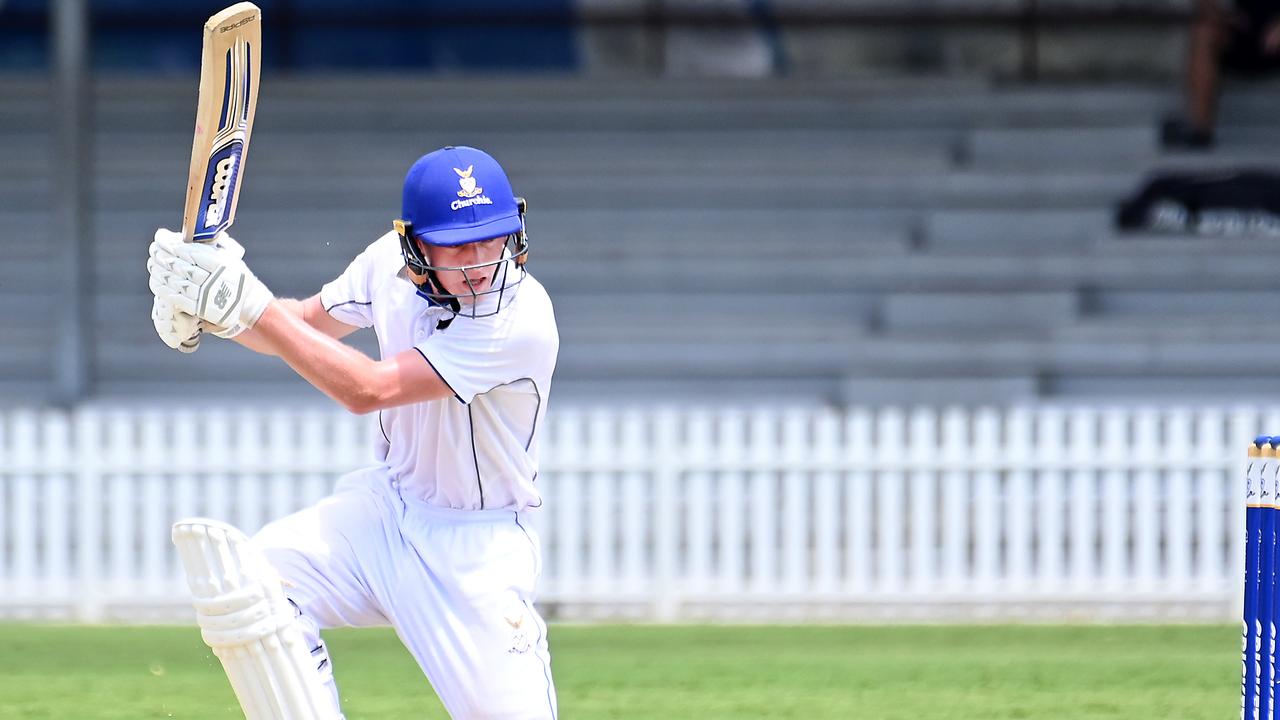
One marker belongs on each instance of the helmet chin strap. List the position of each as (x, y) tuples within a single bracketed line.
[(430, 288), (451, 301)]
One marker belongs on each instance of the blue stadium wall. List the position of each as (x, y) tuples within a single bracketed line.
[(148, 36)]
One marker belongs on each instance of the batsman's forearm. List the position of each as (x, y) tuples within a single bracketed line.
[(333, 367), (255, 341)]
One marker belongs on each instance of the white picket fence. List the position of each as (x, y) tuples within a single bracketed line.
[(682, 514)]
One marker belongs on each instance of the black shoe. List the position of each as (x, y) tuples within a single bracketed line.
[(1176, 134)]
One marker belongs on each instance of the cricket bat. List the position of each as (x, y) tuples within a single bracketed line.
[(229, 66)]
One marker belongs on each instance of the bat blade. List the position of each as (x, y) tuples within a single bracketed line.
[(229, 71)]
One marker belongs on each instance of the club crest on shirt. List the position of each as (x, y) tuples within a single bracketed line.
[(516, 617)]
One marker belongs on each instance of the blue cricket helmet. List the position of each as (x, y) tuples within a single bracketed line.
[(458, 195), (455, 196)]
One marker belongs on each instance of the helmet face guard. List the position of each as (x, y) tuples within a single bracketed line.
[(467, 304)]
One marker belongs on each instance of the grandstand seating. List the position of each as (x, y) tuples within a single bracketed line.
[(846, 241)]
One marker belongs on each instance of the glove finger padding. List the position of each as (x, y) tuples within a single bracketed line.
[(166, 236), (177, 262), (182, 275), (180, 331), (180, 291), (228, 245)]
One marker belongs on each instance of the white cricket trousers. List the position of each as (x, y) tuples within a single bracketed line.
[(457, 586)]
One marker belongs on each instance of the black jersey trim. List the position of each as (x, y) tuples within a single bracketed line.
[(536, 411), (331, 308), (443, 379), (471, 427), (383, 428)]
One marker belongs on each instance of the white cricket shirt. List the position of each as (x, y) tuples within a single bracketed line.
[(477, 449)]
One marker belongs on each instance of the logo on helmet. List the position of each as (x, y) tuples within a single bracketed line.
[(467, 183), (470, 194)]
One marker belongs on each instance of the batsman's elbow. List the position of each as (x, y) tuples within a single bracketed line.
[(371, 389), (360, 402), (401, 380)]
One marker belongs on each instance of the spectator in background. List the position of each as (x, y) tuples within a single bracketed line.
[(1242, 37)]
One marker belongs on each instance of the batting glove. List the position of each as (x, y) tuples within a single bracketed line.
[(208, 281)]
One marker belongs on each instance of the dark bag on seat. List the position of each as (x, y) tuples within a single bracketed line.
[(1222, 202)]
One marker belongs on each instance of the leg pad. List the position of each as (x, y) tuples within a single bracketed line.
[(253, 629)]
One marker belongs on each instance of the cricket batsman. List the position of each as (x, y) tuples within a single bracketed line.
[(432, 538)]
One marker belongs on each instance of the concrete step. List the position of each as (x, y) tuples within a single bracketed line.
[(1175, 306), (933, 391), (25, 193), (965, 312), (1023, 231), (711, 312), (30, 314), (1153, 244), (986, 357), (706, 358), (1054, 149), (28, 153), (523, 152), (1204, 328), (586, 103), (24, 354), (1215, 389)]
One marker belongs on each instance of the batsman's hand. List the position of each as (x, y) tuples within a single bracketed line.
[(180, 331), (208, 281)]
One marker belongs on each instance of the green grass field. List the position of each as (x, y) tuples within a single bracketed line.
[(669, 672)]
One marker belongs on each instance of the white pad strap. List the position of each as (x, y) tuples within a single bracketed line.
[(245, 617)]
